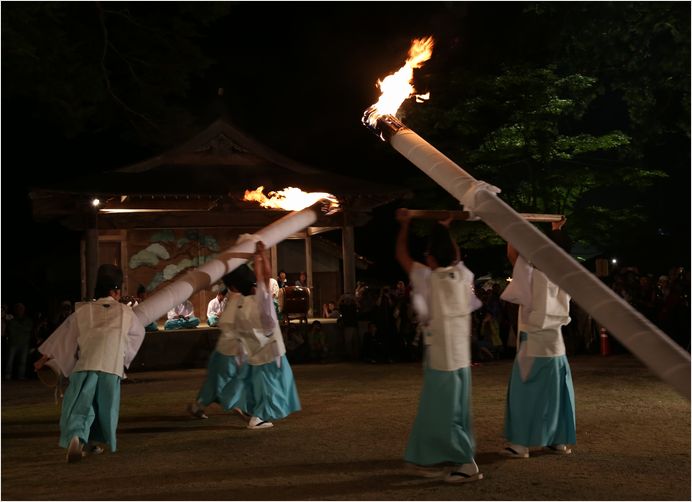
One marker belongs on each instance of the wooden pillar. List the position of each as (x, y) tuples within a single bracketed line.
[(308, 270), (82, 268), (349, 254), (91, 259), (274, 257), (124, 261)]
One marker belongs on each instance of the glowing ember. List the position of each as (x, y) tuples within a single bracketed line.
[(396, 88), (290, 199)]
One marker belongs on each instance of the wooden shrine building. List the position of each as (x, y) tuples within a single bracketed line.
[(177, 210)]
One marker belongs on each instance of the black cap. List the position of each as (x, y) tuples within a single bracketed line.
[(242, 279), (108, 277)]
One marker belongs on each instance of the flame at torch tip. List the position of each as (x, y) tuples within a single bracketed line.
[(397, 87), (290, 199)]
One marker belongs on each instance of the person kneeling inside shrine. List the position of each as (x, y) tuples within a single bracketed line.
[(215, 307), (181, 317)]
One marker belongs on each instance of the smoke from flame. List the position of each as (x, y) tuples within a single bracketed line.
[(397, 87), (290, 198)]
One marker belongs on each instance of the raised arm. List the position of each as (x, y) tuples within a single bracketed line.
[(402, 254), (457, 251), (262, 267), (512, 254), (559, 236), (263, 296)]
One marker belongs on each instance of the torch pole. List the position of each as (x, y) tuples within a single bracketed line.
[(653, 347), (203, 277)]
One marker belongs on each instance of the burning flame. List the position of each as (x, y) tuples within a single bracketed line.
[(290, 199), (397, 87)]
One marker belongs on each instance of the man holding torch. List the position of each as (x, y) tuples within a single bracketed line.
[(265, 389), (540, 398), (224, 371), (443, 298)]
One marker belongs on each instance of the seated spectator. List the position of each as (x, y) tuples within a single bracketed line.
[(302, 280), (282, 281), (181, 317), (215, 307), (329, 311)]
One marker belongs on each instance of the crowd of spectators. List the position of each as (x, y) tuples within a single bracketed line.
[(663, 299), (377, 324), (23, 330)]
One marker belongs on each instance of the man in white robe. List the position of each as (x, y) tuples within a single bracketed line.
[(223, 384), (181, 317), (442, 443), (92, 347), (269, 390), (540, 398), (215, 308)]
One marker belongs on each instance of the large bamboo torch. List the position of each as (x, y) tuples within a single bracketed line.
[(305, 213), (203, 277), (653, 347)]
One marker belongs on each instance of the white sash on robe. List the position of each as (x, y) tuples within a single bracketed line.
[(80, 342), (543, 310)]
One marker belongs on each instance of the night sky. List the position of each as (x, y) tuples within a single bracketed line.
[(296, 76)]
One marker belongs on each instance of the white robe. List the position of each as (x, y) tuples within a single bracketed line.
[(543, 310), (444, 300), (104, 335), (215, 307), (229, 343), (253, 320), (185, 309)]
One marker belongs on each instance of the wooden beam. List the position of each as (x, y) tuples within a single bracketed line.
[(443, 214), (135, 205)]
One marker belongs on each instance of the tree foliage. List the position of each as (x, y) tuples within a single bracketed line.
[(567, 129), (105, 67)]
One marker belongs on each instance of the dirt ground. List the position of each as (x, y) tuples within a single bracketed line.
[(633, 441)]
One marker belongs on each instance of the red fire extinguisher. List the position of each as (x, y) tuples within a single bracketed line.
[(605, 343)]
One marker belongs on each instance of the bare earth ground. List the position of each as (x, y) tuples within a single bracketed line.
[(347, 443)]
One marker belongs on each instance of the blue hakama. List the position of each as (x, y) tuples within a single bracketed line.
[(269, 391), (171, 324), (90, 408), (224, 382), (442, 430), (540, 410)]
